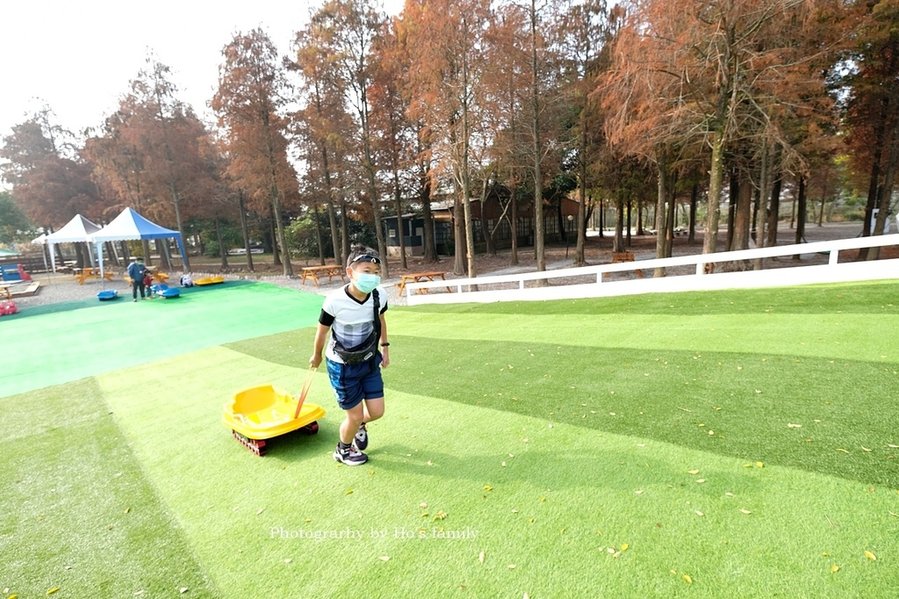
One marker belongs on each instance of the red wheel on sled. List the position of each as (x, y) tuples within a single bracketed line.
[(311, 428)]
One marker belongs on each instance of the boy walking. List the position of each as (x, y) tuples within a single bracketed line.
[(354, 314)]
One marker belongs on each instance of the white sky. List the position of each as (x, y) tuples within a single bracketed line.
[(77, 56)]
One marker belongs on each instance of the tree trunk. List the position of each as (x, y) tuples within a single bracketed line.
[(582, 194), (662, 193), (742, 215), (372, 185), (245, 230), (774, 216), (223, 252), (886, 193), (401, 229), (339, 257), (800, 213), (458, 230), (344, 231), (429, 252), (618, 240), (630, 204), (761, 235), (316, 216), (539, 244), (514, 224), (694, 198), (710, 241)]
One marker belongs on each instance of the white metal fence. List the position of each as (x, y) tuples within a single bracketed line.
[(595, 281)]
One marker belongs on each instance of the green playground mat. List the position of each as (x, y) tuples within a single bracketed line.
[(55, 344)]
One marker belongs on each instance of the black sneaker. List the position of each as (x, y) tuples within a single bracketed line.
[(360, 441), (350, 456)]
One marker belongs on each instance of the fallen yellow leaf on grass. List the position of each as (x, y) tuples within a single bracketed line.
[(865, 448), (843, 450), (481, 557), (791, 425), (693, 471), (423, 505), (488, 488), (52, 590), (440, 515), (687, 578), (624, 547), (698, 513), (870, 555), (384, 558), (700, 480), (744, 511), (834, 568), (760, 464)]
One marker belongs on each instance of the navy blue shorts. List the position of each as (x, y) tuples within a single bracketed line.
[(354, 382)]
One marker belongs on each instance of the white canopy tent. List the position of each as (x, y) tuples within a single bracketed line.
[(77, 230), (41, 240), (131, 225)]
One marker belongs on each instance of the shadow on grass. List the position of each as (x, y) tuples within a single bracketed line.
[(609, 469), (740, 405), (746, 406)]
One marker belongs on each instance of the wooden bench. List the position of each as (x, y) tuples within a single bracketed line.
[(626, 257), (314, 272), (418, 277)]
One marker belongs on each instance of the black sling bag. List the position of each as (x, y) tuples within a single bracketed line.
[(368, 348)]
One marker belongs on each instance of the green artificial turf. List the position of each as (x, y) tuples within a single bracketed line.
[(722, 444), (78, 512), (58, 343)]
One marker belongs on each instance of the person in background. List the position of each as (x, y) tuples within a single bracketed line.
[(148, 283), (136, 272)]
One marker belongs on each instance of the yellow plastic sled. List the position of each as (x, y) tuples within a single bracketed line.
[(257, 414), (212, 280)]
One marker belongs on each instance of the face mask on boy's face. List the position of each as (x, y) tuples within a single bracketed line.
[(366, 282)]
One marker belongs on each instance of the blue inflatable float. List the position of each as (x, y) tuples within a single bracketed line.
[(164, 291), (107, 294)]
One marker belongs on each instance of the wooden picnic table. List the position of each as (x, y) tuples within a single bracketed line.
[(89, 272), (314, 272), (418, 277)]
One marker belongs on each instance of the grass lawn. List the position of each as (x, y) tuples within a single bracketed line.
[(717, 444)]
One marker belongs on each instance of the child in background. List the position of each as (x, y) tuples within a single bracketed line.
[(148, 283)]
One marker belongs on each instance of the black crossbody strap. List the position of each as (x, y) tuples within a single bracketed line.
[(377, 309)]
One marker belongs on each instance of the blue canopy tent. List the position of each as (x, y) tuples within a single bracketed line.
[(131, 225)]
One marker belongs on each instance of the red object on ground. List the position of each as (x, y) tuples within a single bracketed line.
[(23, 274), (8, 307)]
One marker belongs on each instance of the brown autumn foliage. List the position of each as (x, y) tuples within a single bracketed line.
[(728, 74), (48, 186), (248, 103)]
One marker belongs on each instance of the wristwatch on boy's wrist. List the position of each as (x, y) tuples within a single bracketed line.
[(385, 344)]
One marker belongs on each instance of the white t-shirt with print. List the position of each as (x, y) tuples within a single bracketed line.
[(351, 321)]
